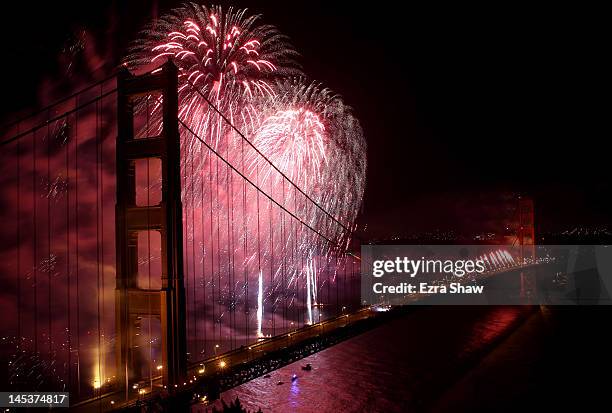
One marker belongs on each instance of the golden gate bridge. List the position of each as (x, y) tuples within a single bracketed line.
[(121, 281), (95, 308)]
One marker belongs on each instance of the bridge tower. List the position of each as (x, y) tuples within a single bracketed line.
[(526, 239), (168, 303)]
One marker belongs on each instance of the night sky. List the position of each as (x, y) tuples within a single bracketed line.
[(462, 108)]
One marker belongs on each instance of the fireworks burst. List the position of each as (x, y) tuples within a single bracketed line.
[(247, 71), (226, 56), (313, 138)]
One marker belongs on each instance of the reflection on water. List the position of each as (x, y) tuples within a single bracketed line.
[(395, 367), (294, 394)]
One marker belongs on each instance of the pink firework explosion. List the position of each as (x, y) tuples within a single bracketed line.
[(294, 137), (225, 55), (309, 161), (313, 138)]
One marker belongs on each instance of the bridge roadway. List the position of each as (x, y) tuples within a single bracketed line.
[(264, 346)]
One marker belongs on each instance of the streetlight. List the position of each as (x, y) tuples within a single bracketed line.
[(216, 347)]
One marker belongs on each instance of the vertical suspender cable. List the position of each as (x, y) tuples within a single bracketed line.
[(203, 254), (49, 265), (35, 238), (274, 304), (294, 258), (18, 342), (284, 265), (245, 259), (220, 301), (185, 241), (150, 334), (97, 166), (193, 261), (230, 254), (76, 209), (231, 259), (102, 234), (68, 331), (212, 245), (258, 242)]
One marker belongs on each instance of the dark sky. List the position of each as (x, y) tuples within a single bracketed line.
[(461, 107)]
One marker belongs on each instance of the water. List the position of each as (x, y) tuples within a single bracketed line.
[(405, 364)]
